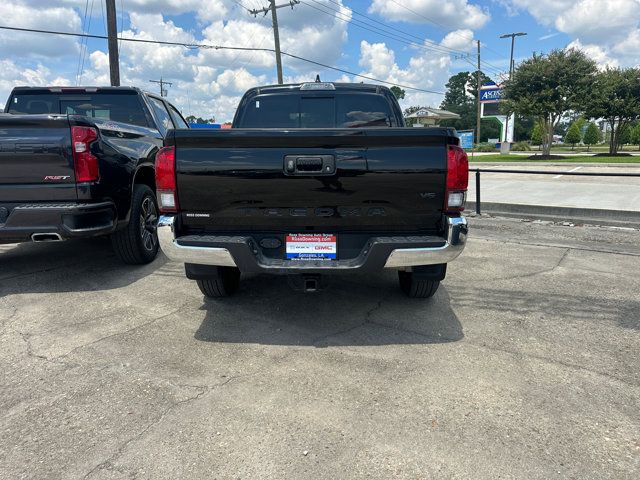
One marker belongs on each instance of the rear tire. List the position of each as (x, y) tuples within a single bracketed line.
[(414, 287), (224, 284), (137, 243)]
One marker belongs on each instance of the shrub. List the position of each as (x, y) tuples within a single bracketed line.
[(521, 147), (485, 147)]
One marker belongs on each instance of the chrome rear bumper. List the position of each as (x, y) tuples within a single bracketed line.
[(457, 230), (380, 252)]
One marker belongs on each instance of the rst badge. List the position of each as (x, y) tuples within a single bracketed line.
[(52, 178)]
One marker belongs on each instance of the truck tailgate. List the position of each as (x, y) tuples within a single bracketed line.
[(36, 163), (388, 179)]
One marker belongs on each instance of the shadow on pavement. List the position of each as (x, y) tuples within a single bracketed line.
[(567, 306), (353, 311), (69, 266)]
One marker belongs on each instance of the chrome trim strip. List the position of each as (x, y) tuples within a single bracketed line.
[(220, 257), (457, 230)]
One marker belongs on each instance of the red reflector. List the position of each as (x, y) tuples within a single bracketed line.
[(166, 179), (457, 179), (85, 163)]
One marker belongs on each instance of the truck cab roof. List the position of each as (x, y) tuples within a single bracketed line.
[(73, 89)]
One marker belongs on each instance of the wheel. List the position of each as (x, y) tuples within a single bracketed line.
[(137, 243), (225, 283), (415, 287)]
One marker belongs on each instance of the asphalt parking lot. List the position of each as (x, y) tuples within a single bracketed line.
[(526, 364)]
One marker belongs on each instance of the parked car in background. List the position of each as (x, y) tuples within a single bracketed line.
[(313, 179), (79, 162)]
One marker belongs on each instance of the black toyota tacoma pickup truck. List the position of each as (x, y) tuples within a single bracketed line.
[(79, 162), (313, 179)]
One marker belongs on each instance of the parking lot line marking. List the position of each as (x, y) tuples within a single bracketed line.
[(572, 170)]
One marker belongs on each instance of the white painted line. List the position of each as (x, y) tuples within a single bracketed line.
[(572, 170)]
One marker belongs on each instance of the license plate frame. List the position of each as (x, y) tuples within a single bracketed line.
[(311, 247)]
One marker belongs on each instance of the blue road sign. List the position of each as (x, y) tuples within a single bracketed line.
[(466, 139)]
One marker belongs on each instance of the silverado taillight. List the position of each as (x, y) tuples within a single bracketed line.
[(457, 179), (85, 164), (166, 179)]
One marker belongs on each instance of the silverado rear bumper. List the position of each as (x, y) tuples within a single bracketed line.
[(380, 252), (25, 222)]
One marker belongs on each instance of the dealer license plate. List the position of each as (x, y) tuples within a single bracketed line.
[(311, 246)]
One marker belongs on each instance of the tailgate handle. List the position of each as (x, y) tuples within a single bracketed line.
[(309, 164)]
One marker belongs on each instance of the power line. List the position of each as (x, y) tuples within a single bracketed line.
[(86, 45), (216, 47), (162, 83), (84, 24), (366, 26), (388, 27), (276, 31), (441, 25), (392, 29), (436, 47)]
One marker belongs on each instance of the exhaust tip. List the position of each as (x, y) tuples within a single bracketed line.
[(46, 237)]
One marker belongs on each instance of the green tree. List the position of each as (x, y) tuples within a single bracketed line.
[(573, 135), (615, 97), (548, 86), (624, 136), (635, 135), (536, 133), (461, 98), (592, 135), (397, 92)]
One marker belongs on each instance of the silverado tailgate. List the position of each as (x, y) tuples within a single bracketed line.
[(387, 179), (36, 163)]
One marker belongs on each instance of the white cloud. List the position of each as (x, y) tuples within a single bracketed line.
[(443, 12), (605, 29), (595, 20), (545, 11), (12, 74), (628, 46), (425, 70), (16, 44), (596, 53), (459, 40)]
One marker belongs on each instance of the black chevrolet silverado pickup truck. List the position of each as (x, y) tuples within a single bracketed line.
[(313, 179), (79, 162)]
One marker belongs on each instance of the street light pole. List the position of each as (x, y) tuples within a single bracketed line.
[(505, 146)]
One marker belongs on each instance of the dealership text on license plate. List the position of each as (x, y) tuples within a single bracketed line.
[(314, 246)]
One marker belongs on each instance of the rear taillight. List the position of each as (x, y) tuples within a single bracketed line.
[(457, 179), (85, 163), (166, 179)]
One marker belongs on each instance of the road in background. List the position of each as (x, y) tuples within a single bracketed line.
[(525, 364)]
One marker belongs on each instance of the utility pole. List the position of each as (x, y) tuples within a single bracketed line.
[(478, 98), (276, 33), (505, 146), (112, 34), (162, 83)]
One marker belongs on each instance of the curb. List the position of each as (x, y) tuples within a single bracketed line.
[(617, 218)]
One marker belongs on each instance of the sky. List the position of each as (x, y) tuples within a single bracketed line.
[(415, 43)]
